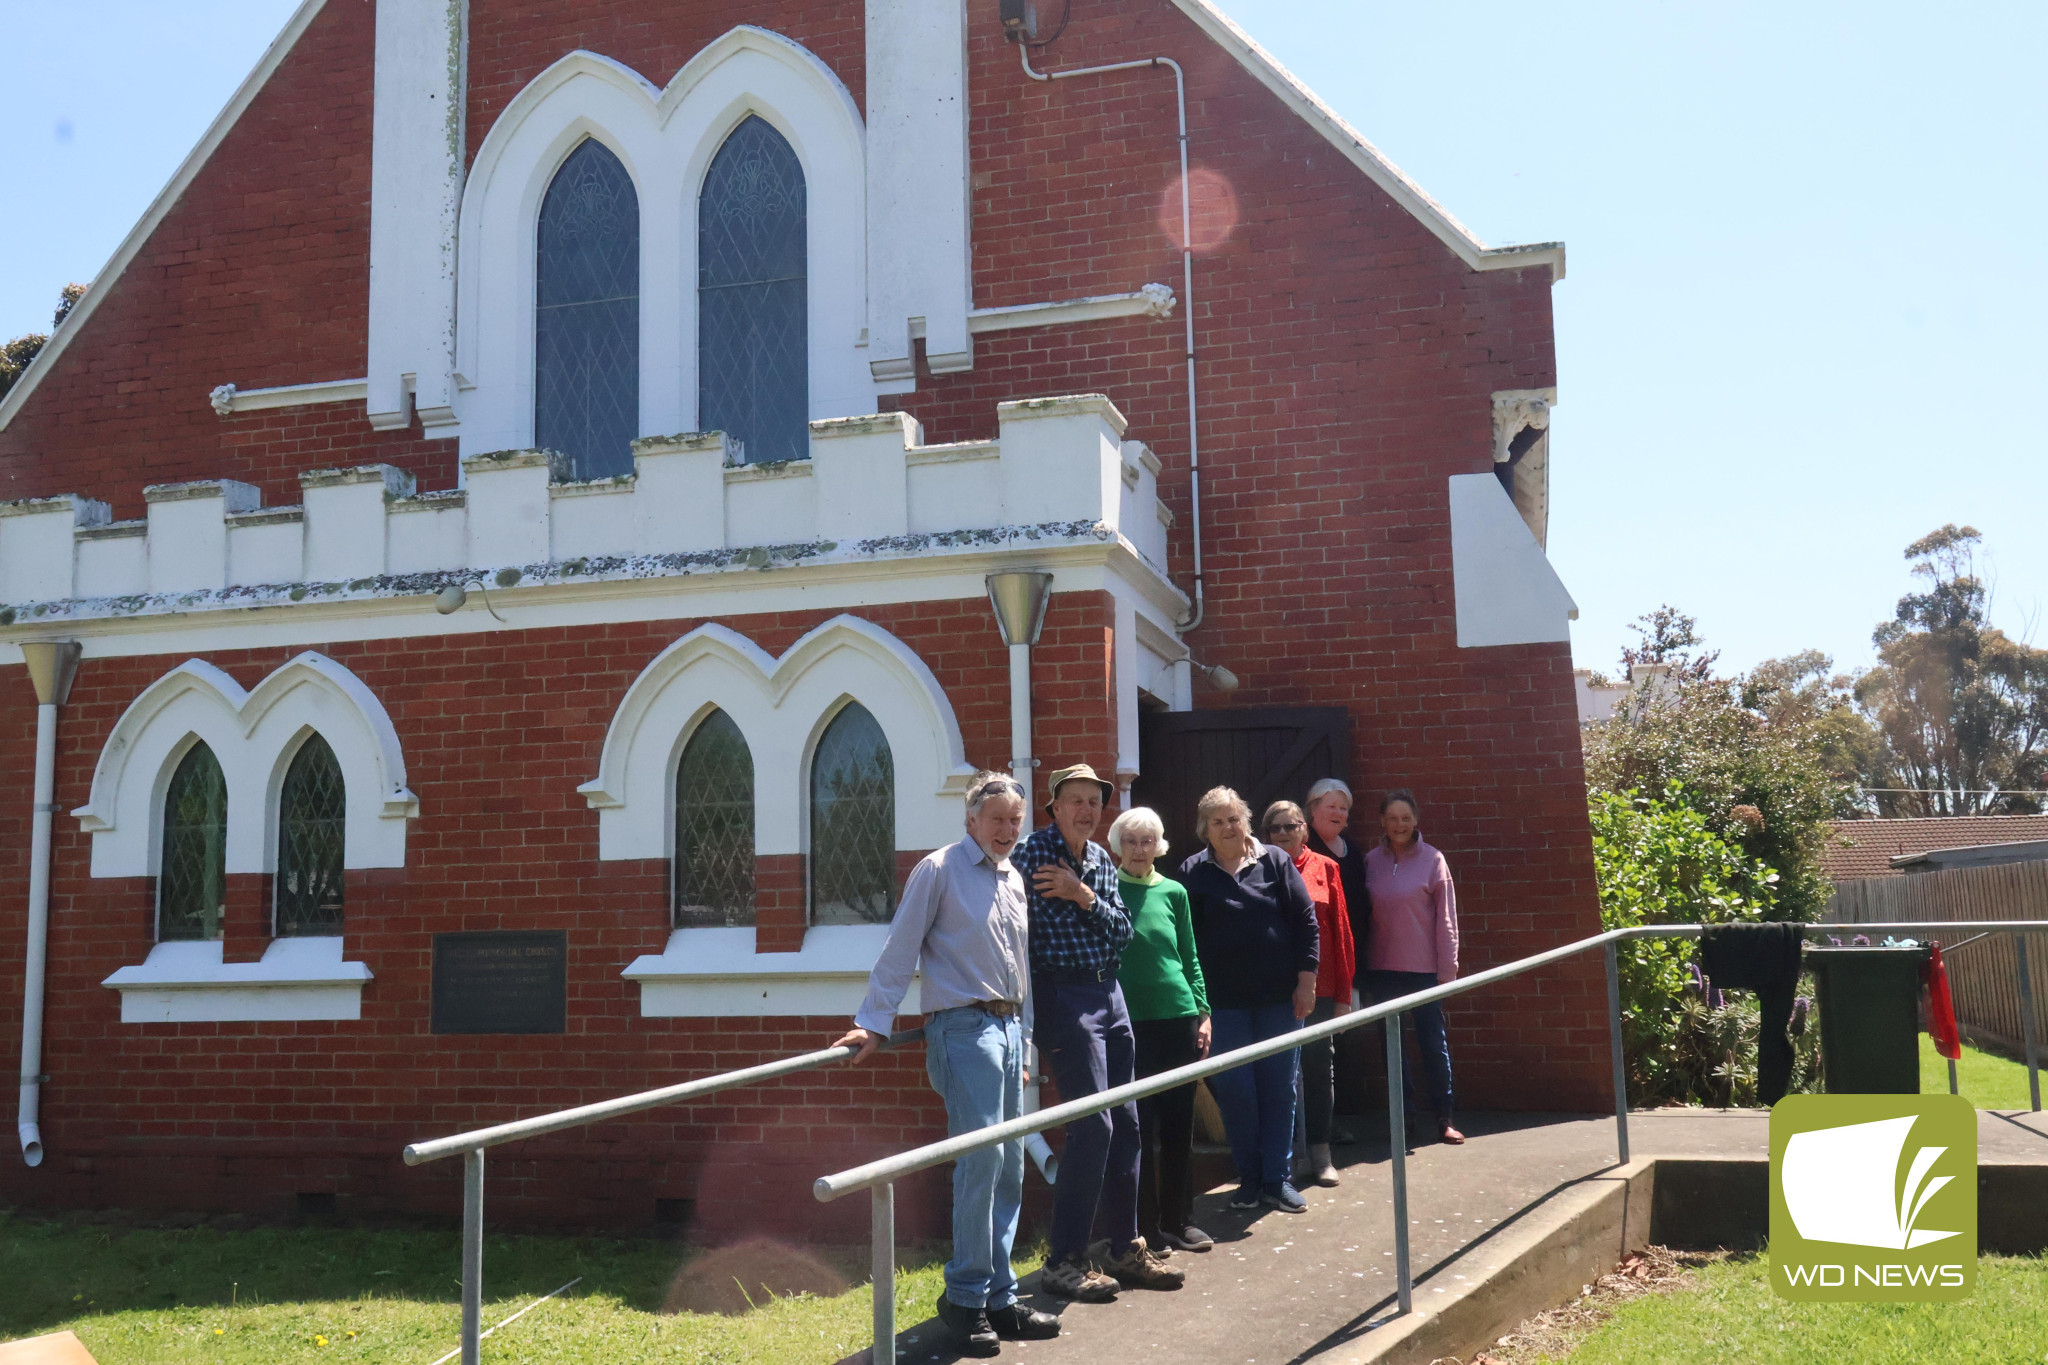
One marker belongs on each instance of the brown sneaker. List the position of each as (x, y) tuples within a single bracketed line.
[(1138, 1268), (1073, 1278)]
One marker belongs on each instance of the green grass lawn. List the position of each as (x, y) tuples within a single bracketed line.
[(1730, 1314), (1985, 1079), (161, 1297)]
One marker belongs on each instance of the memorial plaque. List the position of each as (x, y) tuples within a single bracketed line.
[(504, 982)]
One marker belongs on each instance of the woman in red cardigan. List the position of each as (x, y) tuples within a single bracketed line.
[(1287, 828)]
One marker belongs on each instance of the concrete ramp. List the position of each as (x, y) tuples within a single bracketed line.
[(1512, 1223)]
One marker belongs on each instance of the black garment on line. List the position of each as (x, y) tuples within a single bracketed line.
[(1763, 958)]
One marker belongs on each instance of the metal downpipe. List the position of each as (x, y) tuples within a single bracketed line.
[(51, 666)]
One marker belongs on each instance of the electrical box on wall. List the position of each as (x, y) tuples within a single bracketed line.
[(1020, 20)]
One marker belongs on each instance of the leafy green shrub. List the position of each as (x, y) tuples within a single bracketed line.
[(1658, 861)]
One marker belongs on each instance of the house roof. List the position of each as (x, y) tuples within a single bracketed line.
[(1865, 848)]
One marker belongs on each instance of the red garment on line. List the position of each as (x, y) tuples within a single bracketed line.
[(1941, 1009)]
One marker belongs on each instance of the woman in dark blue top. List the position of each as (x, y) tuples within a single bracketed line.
[(1255, 932)]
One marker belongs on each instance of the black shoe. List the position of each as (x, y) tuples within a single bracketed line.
[(1015, 1322), (1245, 1196), (970, 1327)]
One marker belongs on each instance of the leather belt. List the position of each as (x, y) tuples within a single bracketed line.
[(1001, 1009)]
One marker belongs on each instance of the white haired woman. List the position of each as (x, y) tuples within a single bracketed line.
[(1169, 1005), (1255, 929)]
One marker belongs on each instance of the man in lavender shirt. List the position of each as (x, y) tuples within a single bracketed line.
[(963, 917), (1414, 943)]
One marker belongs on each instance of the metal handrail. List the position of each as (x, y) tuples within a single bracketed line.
[(880, 1177), (473, 1144)]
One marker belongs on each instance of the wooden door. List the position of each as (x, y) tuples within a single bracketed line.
[(1266, 753)]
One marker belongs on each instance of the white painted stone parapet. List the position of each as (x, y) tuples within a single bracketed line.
[(1059, 468)]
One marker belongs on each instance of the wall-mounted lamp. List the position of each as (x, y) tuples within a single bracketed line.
[(1220, 678), (455, 596), (1020, 600)]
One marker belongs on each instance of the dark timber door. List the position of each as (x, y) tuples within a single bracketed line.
[(1267, 753)]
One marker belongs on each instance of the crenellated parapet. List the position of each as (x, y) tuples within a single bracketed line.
[(871, 485)]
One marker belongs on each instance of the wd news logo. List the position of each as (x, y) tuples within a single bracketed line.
[(1873, 1197)]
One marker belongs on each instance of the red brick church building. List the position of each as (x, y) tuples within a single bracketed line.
[(502, 571)]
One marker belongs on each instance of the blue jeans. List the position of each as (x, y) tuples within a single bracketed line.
[(1430, 1039), (976, 1063), (1257, 1100)]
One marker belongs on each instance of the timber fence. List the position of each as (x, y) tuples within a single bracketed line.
[(1983, 976)]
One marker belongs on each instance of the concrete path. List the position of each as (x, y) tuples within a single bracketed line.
[(1281, 1289)]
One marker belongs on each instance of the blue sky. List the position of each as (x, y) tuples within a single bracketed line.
[(1802, 321)]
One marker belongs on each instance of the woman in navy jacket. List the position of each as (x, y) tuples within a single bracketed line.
[(1255, 931)]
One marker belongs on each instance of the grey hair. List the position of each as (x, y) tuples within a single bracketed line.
[(1330, 786), (987, 784), (1216, 799), (1137, 820)]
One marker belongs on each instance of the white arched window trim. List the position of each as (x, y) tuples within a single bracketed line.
[(254, 733), (665, 138), (781, 707)]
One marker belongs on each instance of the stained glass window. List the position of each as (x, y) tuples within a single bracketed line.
[(753, 365), (312, 821), (586, 351), (714, 859), (853, 822), (191, 884)]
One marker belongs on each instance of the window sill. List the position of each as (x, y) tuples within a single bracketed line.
[(716, 974), (298, 978)]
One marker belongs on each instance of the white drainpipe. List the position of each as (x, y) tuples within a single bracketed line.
[(51, 666)]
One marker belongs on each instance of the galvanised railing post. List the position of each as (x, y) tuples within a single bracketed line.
[(882, 1237), (1614, 1046), (1397, 1145), (2027, 1022), (472, 1253)]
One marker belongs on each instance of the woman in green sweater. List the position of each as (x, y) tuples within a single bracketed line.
[(1162, 981)]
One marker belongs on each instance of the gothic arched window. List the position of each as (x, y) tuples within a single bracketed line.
[(312, 823), (753, 364), (586, 331), (191, 884), (853, 822), (714, 850)]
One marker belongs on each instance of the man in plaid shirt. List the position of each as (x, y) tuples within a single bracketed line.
[(1079, 929)]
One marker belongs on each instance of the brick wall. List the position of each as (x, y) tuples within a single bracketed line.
[(1347, 360), (498, 731)]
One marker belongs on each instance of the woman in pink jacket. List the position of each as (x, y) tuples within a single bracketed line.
[(1414, 941)]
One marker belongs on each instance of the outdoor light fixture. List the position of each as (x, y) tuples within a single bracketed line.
[(1220, 678), (1020, 599), (455, 596), (1020, 20)]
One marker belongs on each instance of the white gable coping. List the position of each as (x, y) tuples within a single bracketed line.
[(298, 978), (716, 974), (1362, 154), (167, 198), (1507, 593), (254, 734)]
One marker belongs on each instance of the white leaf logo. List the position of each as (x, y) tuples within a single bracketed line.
[(1842, 1185)]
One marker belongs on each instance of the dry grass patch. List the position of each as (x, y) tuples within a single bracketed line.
[(1556, 1334)]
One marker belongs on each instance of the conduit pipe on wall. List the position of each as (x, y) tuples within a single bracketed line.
[(1187, 281), (51, 666)]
